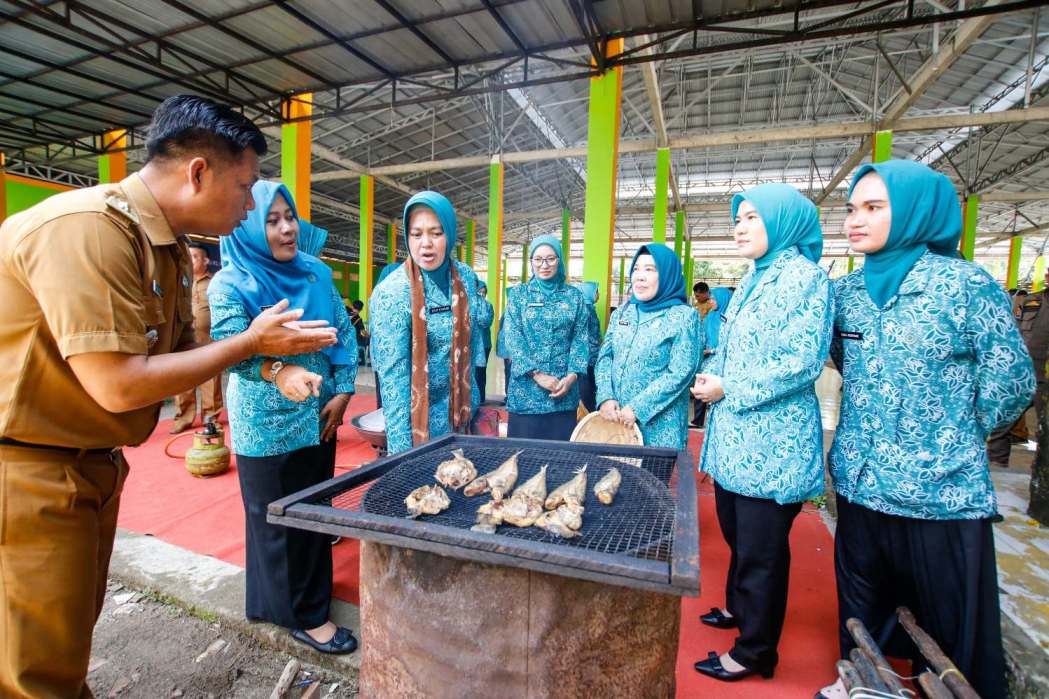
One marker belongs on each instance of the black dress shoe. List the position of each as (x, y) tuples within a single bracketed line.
[(712, 667), (341, 643), (718, 620)]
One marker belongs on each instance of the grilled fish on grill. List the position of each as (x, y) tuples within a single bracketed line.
[(498, 481), (456, 471), (427, 500), (571, 491), (526, 504), (606, 488), (489, 516), (564, 522)]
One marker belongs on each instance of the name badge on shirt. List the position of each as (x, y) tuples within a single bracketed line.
[(536, 305), (849, 335), (440, 309), (723, 318), (157, 290), (624, 321)]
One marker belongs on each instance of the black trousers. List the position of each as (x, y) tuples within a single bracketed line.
[(758, 535), (588, 389), (557, 426), (289, 571), (700, 412), (506, 377), (942, 570), (481, 379)]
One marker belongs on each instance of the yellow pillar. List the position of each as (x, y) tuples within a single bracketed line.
[(1012, 269), (496, 276), (470, 242), (112, 166), (1038, 283), (391, 242), (364, 268), (295, 141)]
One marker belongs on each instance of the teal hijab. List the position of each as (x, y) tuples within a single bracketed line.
[(712, 321), (548, 286), (311, 238), (791, 221), (446, 215), (589, 290), (671, 291), (925, 216)]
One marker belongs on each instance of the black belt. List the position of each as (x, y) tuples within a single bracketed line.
[(8, 442)]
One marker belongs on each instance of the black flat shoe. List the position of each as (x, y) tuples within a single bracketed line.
[(712, 667), (341, 643), (718, 620)]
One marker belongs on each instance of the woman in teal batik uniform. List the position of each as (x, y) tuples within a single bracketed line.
[(651, 351), (764, 440), (932, 363), (546, 336)]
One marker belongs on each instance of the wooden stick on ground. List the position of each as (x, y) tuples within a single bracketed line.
[(944, 667), (866, 643), (849, 676), (933, 686), (314, 689), (868, 673), (291, 670)]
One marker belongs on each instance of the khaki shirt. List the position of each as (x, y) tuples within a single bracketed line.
[(90, 270), (201, 310)]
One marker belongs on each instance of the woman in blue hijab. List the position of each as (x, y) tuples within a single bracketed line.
[(545, 335), (932, 363), (284, 412), (424, 331), (588, 382), (764, 440), (651, 351), (719, 298)]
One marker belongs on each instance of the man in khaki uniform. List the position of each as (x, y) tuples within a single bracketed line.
[(96, 302), (210, 390)]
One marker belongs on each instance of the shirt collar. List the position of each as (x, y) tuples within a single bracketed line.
[(151, 218)]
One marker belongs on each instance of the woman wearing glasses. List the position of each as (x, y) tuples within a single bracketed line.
[(546, 336)]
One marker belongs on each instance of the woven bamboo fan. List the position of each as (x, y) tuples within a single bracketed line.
[(596, 429)]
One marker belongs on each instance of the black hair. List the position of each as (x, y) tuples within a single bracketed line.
[(199, 246), (700, 288), (357, 304), (190, 125)]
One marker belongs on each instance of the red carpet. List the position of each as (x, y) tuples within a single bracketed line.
[(206, 516)]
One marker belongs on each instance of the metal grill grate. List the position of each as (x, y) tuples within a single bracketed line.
[(639, 522)]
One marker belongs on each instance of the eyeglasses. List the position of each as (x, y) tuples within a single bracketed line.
[(544, 261)]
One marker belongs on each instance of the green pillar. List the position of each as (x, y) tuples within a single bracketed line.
[(659, 221), (881, 149), (601, 167), (364, 270), (1038, 283), (1012, 275), (524, 263), (969, 213), (470, 242), (689, 268), (495, 241), (679, 233), (391, 242), (566, 239), (852, 263)]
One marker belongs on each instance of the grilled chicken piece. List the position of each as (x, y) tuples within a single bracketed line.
[(523, 508), (456, 471), (497, 482), (606, 488), (427, 500), (564, 522), (571, 491)]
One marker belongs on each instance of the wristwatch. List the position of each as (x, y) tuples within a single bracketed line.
[(274, 369)]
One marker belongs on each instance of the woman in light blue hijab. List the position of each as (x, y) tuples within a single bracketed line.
[(588, 383), (545, 334), (424, 330), (932, 363), (284, 411), (720, 296), (764, 440), (651, 351)]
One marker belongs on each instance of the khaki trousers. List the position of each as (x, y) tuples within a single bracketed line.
[(210, 401), (58, 518)]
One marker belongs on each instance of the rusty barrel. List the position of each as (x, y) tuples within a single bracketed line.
[(435, 627)]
